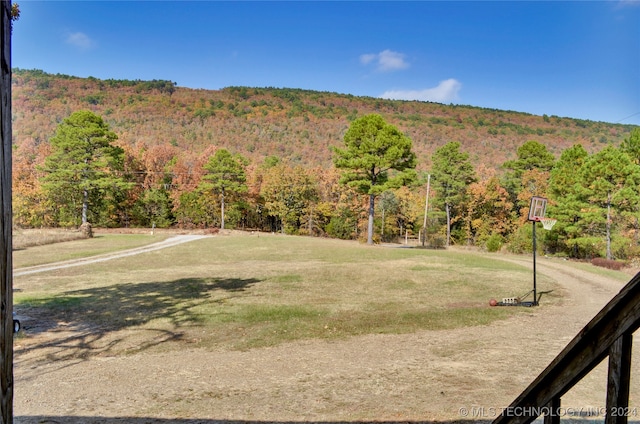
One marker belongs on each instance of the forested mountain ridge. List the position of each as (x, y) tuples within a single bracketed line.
[(296, 124)]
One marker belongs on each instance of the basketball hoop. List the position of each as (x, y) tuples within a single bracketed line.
[(537, 208), (547, 223)]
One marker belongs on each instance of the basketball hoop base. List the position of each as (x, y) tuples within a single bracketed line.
[(526, 304)]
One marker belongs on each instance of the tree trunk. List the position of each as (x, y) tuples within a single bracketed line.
[(448, 209), (222, 209), (85, 206), (370, 226), (608, 227), (6, 275), (576, 251)]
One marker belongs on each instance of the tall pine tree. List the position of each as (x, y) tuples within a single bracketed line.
[(566, 203), (610, 185), (376, 157), (225, 176), (452, 173), (84, 168)]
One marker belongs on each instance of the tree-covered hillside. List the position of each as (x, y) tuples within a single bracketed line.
[(291, 123)]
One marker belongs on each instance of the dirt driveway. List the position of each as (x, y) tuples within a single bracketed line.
[(425, 376), (171, 241)]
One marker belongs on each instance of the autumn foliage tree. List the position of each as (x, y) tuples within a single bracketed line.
[(30, 207), (531, 155), (533, 182), (289, 193), (489, 211)]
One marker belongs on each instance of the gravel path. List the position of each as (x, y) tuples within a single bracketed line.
[(172, 241)]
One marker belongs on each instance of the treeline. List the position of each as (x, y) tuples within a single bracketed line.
[(595, 199), (594, 196)]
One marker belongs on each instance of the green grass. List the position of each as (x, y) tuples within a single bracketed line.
[(240, 292), (51, 302)]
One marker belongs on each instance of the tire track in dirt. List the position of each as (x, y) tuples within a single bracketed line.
[(170, 242)]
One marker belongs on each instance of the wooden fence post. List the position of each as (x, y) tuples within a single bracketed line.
[(618, 380), (553, 407), (6, 264)]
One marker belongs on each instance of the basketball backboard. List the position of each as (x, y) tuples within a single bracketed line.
[(537, 208)]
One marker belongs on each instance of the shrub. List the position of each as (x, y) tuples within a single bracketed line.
[(521, 241), (494, 243), (624, 247), (437, 241), (342, 225), (608, 263)]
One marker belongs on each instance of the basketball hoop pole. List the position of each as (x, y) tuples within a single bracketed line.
[(537, 210), (535, 296)]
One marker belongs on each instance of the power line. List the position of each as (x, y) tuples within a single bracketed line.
[(627, 117)]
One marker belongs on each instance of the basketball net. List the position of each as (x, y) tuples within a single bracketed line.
[(547, 223)]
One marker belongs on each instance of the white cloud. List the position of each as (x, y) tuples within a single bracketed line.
[(446, 91), (386, 60), (629, 3), (80, 40), (365, 59)]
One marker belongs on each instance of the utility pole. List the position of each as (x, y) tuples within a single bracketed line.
[(426, 208), (6, 264)]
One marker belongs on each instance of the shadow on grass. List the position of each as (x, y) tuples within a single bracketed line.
[(84, 322), (141, 420)]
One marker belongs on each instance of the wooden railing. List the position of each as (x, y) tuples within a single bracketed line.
[(610, 334)]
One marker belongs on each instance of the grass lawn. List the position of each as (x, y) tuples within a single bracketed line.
[(240, 292)]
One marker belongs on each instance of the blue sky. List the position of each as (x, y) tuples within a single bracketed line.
[(577, 59)]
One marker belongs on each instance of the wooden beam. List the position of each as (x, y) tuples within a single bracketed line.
[(618, 380), (621, 316), (6, 265), (553, 415)]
